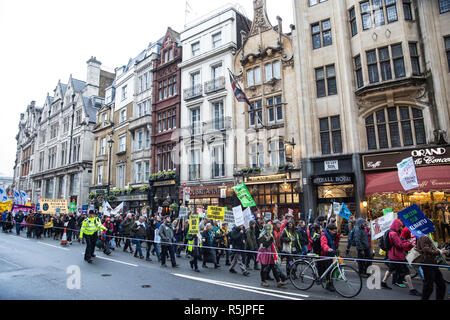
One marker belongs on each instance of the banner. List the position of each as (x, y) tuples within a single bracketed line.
[(193, 224), (416, 221), (106, 209), (216, 213), (6, 206), (379, 226), (407, 174), (54, 206), (25, 209), (118, 210), (238, 216), (84, 209), (244, 196), (345, 213)]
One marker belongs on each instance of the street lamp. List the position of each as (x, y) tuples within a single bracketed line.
[(110, 144)]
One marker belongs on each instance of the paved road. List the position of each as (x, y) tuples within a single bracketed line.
[(37, 269)]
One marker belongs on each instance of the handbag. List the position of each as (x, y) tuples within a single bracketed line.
[(414, 256)]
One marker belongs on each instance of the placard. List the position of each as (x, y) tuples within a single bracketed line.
[(216, 213), (51, 206), (379, 226), (416, 221), (238, 216), (193, 224)]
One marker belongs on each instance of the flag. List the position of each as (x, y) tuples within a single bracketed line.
[(17, 197), (23, 197), (239, 94), (118, 210), (3, 195), (106, 209), (345, 213)]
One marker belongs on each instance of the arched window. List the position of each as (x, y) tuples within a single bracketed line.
[(395, 127)]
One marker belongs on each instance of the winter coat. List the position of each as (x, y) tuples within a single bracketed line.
[(72, 223), (399, 246), (360, 236), (251, 243), (237, 239), (19, 218), (428, 250), (39, 220), (277, 237), (207, 241), (303, 236), (327, 241), (127, 224), (150, 231), (166, 232), (139, 230), (30, 221), (294, 243)]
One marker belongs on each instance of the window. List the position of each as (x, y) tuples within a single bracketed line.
[(353, 24), (218, 155), (76, 149), (218, 114), (53, 131), (66, 124), (358, 71), (123, 115), (272, 71), (255, 113), (109, 95), (415, 62), (195, 121), (147, 139), (194, 167), (140, 140), (49, 188), (380, 10), (407, 9), (63, 153), (170, 54), (124, 92), (146, 171), (172, 86), (195, 48), (122, 143), (41, 161), (366, 15), (78, 115), (120, 176), (321, 32), (277, 154), (447, 50), (164, 157), (257, 155), (391, 10), (253, 76), (330, 135), (100, 175), (395, 127), (42, 137), (103, 146), (52, 158), (139, 172), (326, 81), (216, 40), (274, 109), (314, 2), (399, 64), (372, 66), (385, 63), (444, 6)]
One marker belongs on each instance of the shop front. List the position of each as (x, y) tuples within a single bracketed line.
[(135, 203), (332, 180), (163, 194), (207, 195), (383, 189), (275, 194)]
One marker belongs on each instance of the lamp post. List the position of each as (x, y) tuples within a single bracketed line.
[(110, 144)]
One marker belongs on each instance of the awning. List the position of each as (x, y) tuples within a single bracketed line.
[(430, 179)]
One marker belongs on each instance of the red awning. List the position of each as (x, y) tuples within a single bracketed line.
[(430, 179)]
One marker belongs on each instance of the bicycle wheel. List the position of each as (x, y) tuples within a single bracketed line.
[(346, 280), (302, 275)]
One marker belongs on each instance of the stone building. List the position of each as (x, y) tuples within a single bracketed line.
[(267, 156), (374, 81), (63, 152), (207, 144)]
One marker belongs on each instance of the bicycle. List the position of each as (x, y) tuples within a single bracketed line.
[(345, 279)]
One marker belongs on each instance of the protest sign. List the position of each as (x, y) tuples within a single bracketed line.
[(238, 216), (345, 213), (84, 209), (336, 208), (50, 206), (416, 221), (248, 216), (216, 213), (244, 196), (25, 209), (229, 219), (407, 174), (193, 224), (379, 226), (201, 213), (183, 212), (387, 210)]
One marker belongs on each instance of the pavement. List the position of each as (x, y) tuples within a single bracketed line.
[(32, 269)]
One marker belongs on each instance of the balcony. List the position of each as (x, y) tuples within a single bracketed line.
[(139, 122), (141, 154), (215, 85), (193, 92)]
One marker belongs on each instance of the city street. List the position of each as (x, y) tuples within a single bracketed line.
[(37, 270)]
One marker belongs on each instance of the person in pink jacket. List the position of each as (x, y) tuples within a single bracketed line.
[(396, 254)]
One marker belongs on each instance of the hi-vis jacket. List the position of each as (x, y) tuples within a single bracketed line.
[(90, 226)]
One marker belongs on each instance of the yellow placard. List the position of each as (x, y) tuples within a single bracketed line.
[(216, 213), (6, 206), (193, 224), (54, 206)]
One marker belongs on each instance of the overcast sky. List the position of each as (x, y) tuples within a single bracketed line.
[(43, 41)]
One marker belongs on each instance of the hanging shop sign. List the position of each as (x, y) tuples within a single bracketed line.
[(437, 156), (332, 165)]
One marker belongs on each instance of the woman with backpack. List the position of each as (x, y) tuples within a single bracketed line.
[(396, 248)]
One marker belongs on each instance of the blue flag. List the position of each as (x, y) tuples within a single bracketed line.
[(416, 221), (345, 213)]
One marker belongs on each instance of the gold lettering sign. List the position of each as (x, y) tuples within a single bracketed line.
[(267, 178)]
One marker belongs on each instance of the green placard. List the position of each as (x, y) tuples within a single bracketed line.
[(73, 207), (244, 196), (387, 210)]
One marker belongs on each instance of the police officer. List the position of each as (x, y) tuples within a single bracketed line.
[(89, 229)]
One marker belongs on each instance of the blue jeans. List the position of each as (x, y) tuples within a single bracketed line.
[(18, 227), (304, 250), (138, 247)]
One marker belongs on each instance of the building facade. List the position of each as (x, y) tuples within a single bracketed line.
[(207, 144), (64, 142), (373, 76), (267, 156)]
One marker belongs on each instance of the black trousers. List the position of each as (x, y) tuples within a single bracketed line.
[(433, 276), (167, 248), (265, 271), (127, 244), (363, 265), (90, 246)]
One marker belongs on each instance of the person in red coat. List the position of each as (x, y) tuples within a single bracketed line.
[(399, 247)]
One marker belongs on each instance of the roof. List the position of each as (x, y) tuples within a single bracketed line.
[(91, 107), (78, 85)]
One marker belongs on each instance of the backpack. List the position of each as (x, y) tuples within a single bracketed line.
[(384, 242)]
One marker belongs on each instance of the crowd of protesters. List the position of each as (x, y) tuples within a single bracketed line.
[(261, 247)]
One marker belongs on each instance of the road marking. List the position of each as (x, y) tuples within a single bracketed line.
[(50, 245), (235, 286), (109, 259), (16, 265), (271, 290)]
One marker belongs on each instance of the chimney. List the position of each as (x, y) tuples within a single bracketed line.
[(93, 77)]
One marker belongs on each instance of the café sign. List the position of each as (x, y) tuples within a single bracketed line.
[(425, 157)]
